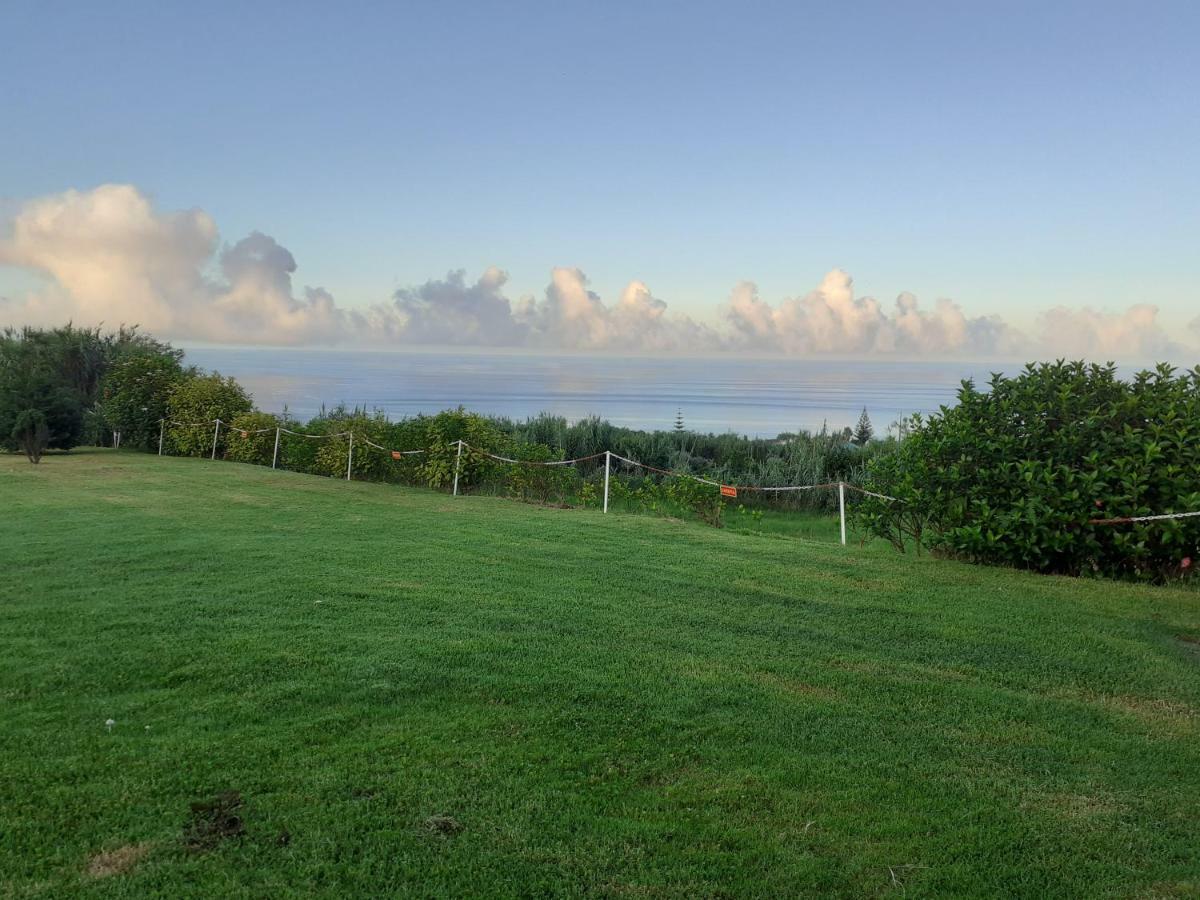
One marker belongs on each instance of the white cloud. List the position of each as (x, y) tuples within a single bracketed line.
[(453, 312), (831, 319), (1133, 334), (108, 256), (571, 316)]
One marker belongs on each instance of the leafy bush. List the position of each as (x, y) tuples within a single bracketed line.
[(538, 483), (1017, 475), (248, 442), (196, 401), (441, 435), (702, 499)]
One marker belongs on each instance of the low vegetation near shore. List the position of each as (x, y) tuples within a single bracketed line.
[(218, 679)]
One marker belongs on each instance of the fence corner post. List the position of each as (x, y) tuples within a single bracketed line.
[(842, 508), (457, 464), (607, 467)]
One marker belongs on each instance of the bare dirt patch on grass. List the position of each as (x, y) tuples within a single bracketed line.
[(118, 861)]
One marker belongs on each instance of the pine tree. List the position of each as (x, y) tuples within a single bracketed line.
[(864, 431), (679, 421)]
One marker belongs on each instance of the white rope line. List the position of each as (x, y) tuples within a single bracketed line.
[(798, 487), (534, 462), (625, 459), (873, 494), (665, 472), (1121, 520), (315, 437)]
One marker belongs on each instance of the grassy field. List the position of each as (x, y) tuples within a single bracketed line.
[(425, 696)]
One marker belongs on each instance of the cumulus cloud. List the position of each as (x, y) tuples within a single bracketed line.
[(110, 257), (572, 316), (831, 319), (453, 312), (107, 255), (1132, 334)]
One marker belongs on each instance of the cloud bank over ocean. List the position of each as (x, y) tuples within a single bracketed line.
[(107, 255)]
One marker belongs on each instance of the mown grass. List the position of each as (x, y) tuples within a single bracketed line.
[(426, 696)]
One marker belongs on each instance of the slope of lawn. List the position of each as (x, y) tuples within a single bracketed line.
[(415, 694)]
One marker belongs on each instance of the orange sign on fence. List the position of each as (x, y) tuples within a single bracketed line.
[(396, 454), (728, 490)]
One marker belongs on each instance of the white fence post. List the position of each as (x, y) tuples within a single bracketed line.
[(842, 508), (162, 427), (216, 431), (457, 462), (607, 465), (275, 455), (350, 456)]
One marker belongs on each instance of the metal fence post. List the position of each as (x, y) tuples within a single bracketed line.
[(275, 455), (607, 466), (350, 456), (457, 462), (162, 427), (842, 508)]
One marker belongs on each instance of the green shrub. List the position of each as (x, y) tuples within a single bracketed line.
[(441, 434), (702, 499), (251, 438), (195, 402), (538, 483), (1016, 475)]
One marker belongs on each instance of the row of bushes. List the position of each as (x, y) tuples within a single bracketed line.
[(322, 446)]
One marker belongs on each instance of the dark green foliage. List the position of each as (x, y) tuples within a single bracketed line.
[(80, 361), (1015, 476), (39, 407)]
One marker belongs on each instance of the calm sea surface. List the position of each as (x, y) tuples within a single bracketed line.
[(751, 396)]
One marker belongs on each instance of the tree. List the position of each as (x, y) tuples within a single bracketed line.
[(38, 408), (863, 431), (134, 396), (679, 428)]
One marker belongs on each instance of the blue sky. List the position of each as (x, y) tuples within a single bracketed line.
[(1010, 156)]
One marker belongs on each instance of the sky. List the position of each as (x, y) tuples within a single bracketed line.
[(946, 179)]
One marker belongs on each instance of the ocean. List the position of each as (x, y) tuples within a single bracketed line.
[(758, 397)]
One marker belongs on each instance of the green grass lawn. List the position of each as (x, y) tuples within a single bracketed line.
[(429, 696)]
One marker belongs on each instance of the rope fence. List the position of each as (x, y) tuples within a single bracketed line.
[(727, 490)]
